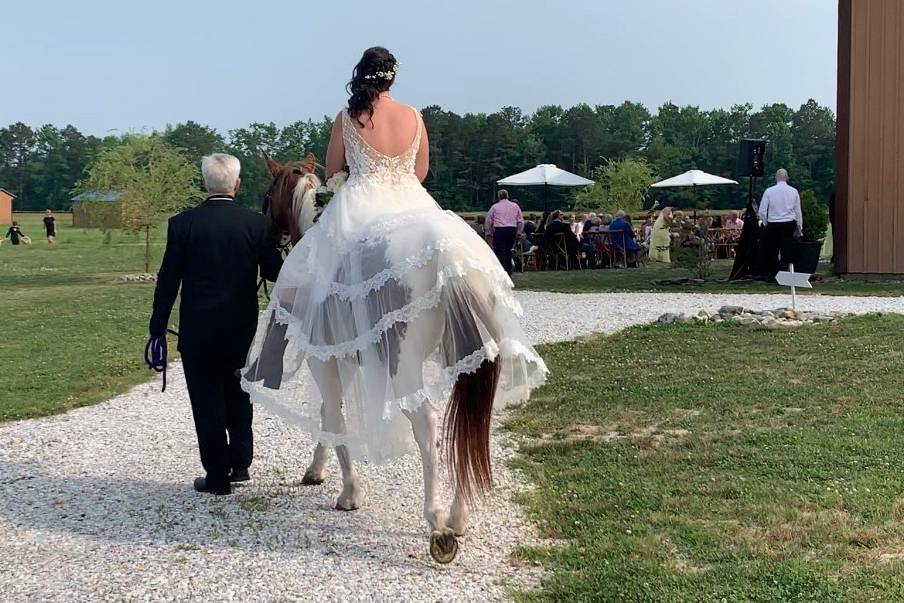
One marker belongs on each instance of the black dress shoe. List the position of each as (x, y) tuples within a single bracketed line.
[(239, 475), (202, 486)]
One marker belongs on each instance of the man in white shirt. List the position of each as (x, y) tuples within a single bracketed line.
[(780, 213)]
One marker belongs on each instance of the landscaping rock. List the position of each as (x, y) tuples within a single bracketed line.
[(731, 310), (667, 318), (144, 277), (779, 318)]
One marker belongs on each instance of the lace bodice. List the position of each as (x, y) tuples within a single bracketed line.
[(366, 162)]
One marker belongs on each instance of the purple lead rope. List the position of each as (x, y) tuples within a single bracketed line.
[(155, 355)]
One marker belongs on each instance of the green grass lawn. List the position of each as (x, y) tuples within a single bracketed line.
[(641, 279), (73, 331), (720, 463)]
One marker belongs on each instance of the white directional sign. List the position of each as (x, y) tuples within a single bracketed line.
[(793, 279)]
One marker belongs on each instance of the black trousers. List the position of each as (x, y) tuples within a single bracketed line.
[(503, 243), (778, 247), (222, 412)]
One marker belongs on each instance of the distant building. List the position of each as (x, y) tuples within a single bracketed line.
[(6, 206), (101, 209)]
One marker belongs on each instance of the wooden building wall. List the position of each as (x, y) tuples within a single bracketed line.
[(869, 178), (6, 208)]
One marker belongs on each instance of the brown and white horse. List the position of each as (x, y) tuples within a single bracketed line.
[(466, 429)]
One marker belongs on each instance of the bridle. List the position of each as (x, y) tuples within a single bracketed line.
[(285, 243)]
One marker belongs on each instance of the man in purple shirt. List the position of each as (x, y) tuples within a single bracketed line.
[(504, 225)]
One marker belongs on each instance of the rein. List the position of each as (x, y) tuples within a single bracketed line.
[(155, 353), (284, 249)]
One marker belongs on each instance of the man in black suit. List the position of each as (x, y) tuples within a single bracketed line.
[(214, 251)]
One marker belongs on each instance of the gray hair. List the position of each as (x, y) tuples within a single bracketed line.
[(502, 194), (781, 175), (620, 214), (220, 172)]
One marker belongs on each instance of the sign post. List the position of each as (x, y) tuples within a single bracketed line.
[(793, 279)]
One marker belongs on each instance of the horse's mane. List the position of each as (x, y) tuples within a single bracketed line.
[(291, 198)]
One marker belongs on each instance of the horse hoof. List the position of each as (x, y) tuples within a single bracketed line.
[(311, 480), (349, 500), (443, 546), (346, 506)]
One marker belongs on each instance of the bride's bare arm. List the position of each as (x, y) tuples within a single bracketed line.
[(335, 152), (422, 161)]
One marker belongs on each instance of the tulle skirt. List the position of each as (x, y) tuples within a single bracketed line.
[(383, 304)]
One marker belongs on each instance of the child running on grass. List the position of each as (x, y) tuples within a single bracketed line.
[(15, 234), (50, 226)]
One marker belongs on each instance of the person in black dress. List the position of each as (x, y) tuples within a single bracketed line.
[(14, 234), (213, 252), (50, 226)]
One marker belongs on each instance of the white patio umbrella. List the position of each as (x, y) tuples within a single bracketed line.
[(693, 178), (546, 175)]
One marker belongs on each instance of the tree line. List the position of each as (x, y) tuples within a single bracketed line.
[(469, 152)]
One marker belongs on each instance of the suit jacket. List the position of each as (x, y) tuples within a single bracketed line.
[(214, 251), (571, 240), (624, 225)]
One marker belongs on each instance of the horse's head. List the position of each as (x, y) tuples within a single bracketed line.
[(290, 201)]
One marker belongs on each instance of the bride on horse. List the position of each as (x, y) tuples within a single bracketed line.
[(397, 307)]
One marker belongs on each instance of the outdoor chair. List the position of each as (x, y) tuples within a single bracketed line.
[(640, 258), (618, 252), (526, 258), (600, 242), (556, 251)]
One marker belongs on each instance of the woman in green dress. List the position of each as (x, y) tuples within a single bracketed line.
[(661, 239)]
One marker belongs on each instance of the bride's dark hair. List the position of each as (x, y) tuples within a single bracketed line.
[(374, 73)]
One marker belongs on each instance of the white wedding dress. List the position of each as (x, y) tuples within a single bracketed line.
[(396, 296)]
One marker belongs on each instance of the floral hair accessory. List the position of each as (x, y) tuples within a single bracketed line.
[(383, 75)]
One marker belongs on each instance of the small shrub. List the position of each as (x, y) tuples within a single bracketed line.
[(815, 215), (696, 260)]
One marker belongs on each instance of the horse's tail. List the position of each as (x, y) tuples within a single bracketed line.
[(467, 429)]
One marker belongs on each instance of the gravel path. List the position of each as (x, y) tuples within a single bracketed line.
[(562, 316), (96, 504)]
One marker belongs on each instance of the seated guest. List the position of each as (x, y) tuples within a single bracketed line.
[(525, 246), (478, 226), (557, 225), (544, 220), (701, 227), (530, 227), (576, 227), (733, 221), (687, 237), (607, 219), (701, 232), (622, 223), (596, 224), (588, 220), (647, 231)]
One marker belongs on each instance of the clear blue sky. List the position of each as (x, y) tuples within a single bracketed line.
[(101, 64)]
